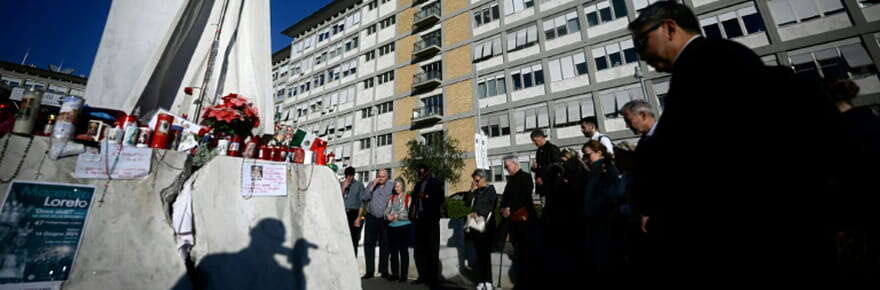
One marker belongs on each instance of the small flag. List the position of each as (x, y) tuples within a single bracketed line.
[(302, 139)]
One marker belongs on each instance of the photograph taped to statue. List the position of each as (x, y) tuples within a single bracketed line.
[(257, 172), (143, 139)]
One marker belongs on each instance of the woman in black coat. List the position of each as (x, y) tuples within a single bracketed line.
[(598, 209), (483, 205)]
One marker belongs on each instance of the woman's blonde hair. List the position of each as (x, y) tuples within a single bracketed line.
[(402, 184)]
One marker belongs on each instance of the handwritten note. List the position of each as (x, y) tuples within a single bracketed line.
[(116, 161), (263, 179)]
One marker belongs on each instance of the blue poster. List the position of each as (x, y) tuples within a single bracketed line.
[(41, 225)]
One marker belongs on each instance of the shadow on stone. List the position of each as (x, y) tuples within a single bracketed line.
[(254, 267)]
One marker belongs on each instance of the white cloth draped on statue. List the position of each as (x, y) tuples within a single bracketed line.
[(151, 50)]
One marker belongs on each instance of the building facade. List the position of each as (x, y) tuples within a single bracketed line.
[(280, 72), (14, 75), (369, 76)]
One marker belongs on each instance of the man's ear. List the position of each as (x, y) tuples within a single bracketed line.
[(671, 28)]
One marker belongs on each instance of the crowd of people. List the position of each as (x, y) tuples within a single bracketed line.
[(707, 197)]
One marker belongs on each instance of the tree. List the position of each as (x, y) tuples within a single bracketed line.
[(441, 156)]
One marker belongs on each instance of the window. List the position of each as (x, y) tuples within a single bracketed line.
[(334, 52), (372, 5), (368, 83), (496, 173), (349, 68), (567, 67), (351, 44), (602, 12), (433, 138), (346, 95), (318, 80), (339, 27), (385, 108), (845, 60), (614, 99), (386, 49), (432, 105), (387, 22), (333, 74), (366, 112), (661, 89), (383, 140), (371, 29), (569, 112), (486, 15), (561, 25), (733, 24), (495, 126), (491, 86), (615, 54), (522, 38), (787, 12), (433, 67), (370, 55), (487, 49), (383, 2), (527, 77), (639, 5), (514, 6), (324, 35), (365, 143), (531, 118), (385, 77), (353, 18)]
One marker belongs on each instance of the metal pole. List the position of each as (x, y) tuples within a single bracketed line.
[(209, 70), (638, 75)]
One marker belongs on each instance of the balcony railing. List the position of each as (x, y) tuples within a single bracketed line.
[(426, 47), (428, 15), (427, 112), (426, 79)]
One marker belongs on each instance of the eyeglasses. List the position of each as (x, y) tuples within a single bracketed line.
[(640, 40)]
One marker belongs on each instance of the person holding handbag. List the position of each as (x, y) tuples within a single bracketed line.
[(518, 208), (481, 225), (399, 230)]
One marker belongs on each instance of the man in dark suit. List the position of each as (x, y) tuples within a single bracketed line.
[(733, 206), (428, 200), (519, 210), (546, 155)]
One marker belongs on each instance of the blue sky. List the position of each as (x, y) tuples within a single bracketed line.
[(69, 31)]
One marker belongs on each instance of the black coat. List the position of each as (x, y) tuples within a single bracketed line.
[(724, 188), (518, 193), (429, 208), (545, 157), (483, 203), (598, 194)]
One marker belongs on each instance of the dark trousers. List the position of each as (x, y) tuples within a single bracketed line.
[(352, 215), (398, 243), (483, 246), (427, 250), (524, 240), (377, 232), (600, 247)]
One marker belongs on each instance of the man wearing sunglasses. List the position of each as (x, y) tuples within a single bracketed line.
[(723, 215)]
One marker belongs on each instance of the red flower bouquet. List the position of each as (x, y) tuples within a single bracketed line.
[(235, 116)]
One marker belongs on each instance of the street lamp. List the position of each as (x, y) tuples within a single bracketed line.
[(641, 77)]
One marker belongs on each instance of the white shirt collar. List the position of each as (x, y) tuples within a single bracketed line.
[(596, 136), (651, 132), (684, 47)]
